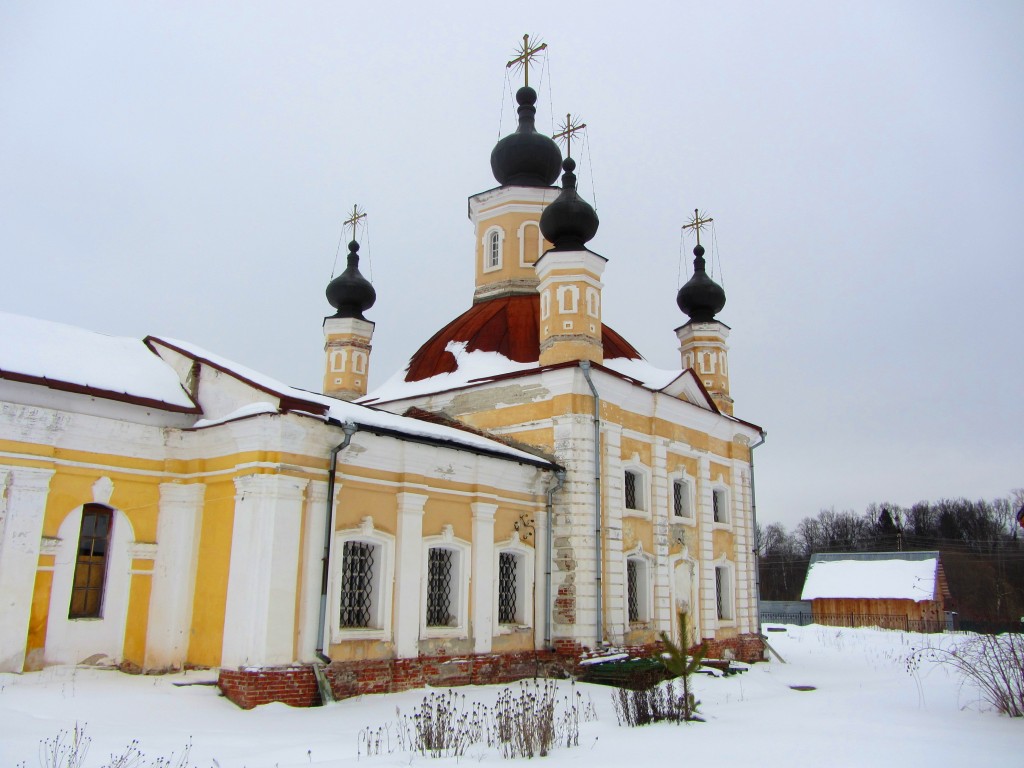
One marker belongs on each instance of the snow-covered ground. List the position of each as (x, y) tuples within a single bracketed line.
[(865, 709)]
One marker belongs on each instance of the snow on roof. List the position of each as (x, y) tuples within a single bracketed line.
[(880, 576), (472, 366), (342, 410), (642, 371), (41, 349)]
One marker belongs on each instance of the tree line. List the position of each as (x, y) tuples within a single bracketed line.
[(981, 545)]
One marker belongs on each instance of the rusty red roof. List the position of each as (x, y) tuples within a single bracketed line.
[(509, 326)]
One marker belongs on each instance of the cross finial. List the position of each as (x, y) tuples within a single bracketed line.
[(568, 130), (354, 219), (698, 222), (527, 52)]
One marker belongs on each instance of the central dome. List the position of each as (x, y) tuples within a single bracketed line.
[(508, 326), (526, 158)]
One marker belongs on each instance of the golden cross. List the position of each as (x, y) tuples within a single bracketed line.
[(569, 129), (697, 223), (354, 219), (526, 54)]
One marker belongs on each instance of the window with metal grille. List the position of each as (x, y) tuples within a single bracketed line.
[(508, 586), (91, 563), (494, 251), (723, 593), (632, 589), (680, 498), (357, 561), (720, 507), (634, 490), (440, 567)]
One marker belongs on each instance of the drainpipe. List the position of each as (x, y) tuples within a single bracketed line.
[(753, 515), (585, 367), (350, 429), (549, 556)]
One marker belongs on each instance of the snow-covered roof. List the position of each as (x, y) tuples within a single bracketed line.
[(65, 357), (331, 408), (872, 575)]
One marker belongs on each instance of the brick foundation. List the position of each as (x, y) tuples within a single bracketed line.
[(296, 685)]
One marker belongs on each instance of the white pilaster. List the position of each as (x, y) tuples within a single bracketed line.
[(705, 512), (407, 574), (174, 574), (616, 621), (312, 570), (259, 619), (26, 490), (660, 511), (483, 575)]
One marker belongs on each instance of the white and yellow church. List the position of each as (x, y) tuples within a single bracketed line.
[(527, 489)]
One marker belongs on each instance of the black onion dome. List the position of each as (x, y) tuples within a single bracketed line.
[(569, 221), (350, 293), (701, 298), (526, 158)]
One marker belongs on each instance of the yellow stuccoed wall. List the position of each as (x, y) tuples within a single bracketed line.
[(211, 591)]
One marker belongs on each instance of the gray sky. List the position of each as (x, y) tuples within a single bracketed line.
[(183, 169)]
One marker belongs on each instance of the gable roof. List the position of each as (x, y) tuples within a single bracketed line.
[(872, 575)]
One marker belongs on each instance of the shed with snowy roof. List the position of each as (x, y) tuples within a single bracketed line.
[(892, 590)]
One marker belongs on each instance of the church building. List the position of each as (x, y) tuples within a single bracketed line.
[(527, 490)]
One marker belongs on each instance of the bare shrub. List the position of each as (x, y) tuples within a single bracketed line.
[(68, 749), (524, 723), (992, 663)]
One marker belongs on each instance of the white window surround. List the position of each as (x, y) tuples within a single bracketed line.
[(568, 297), (642, 488), (459, 584), (545, 304), (593, 301), (488, 264), (688, 498), (383, 582), (525, 556), (644, 585), (522, 243), (720, 499), (725, 592)]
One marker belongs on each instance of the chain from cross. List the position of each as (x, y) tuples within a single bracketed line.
[(526, 55), (568, 130), (354, 219), (698, 222)]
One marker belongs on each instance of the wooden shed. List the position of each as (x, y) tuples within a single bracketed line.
[(892, 590)]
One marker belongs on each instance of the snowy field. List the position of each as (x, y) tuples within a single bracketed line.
[(865, 710)]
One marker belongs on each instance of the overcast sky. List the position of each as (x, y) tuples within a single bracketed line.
[(182, 169)]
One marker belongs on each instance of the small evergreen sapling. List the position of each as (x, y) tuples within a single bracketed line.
[(683, 666)]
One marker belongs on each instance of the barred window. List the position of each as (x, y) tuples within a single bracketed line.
[(723, 592), (720, 506), (508, 584), (357, 587), (632, 587), (91, 563), (633, 483), (440, 574), (681, 498)]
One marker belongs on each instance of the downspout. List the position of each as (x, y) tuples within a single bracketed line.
[(350, 429), (550, 554), (753, 515), (599, 566)]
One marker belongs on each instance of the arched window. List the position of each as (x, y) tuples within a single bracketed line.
[(91, 562), (724, 592), (493, 245), (363, 579), (638, 587)]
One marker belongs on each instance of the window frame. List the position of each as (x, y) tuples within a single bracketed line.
[(688, 498), (94, 510), (461, 564), (383, 576), (721, 513), (524, 585), (641, 490), (725, 593), (641, 564), (493, 244)]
